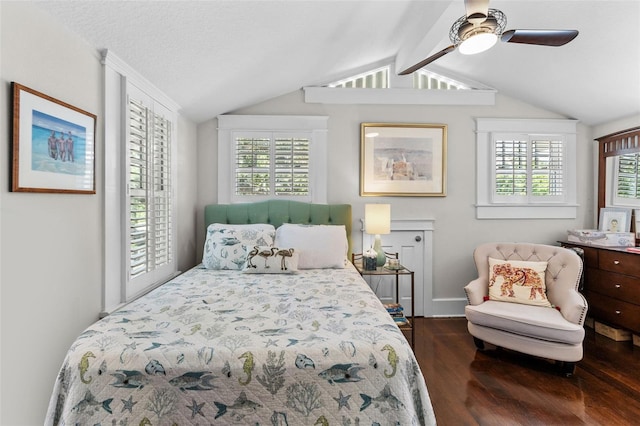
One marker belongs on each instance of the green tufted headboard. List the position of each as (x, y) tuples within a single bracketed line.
[(277, 212)]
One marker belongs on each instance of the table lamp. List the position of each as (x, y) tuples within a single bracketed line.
[(377, 221)]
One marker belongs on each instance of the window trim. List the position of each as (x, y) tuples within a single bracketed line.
[(486, 206), (117, 74), (315, 126)]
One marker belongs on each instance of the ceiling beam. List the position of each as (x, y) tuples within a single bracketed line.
[(428, 39)]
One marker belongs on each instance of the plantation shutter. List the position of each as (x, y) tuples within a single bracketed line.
[(149, 196), (138, 178), (628, 179), (271, 165), (510, 168), (291, 166), (547, 168), (253, 166), (528, 169)]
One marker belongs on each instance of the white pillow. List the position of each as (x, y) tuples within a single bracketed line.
[(271, 260), (226, 245), (318, 246)]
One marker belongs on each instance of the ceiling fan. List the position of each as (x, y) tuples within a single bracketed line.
[(480, 29)]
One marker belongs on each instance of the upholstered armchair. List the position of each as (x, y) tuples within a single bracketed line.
[(521, 319)]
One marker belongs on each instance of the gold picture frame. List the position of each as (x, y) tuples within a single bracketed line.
[(403, 159), (53, 145)]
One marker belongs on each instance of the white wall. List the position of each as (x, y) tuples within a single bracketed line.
[(616, 125), (457, 231), (52, 247)]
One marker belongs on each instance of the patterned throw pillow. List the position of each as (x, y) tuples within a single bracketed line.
[(271, 260), (518, 281), (226, 245)]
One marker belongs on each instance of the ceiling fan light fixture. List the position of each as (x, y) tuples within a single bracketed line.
[(480, 29), (478, 43)]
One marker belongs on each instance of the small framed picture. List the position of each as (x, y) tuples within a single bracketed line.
[(636, 214), (614, 219), (53, 144)]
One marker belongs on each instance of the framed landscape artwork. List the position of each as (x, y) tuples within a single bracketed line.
[(53, 145), (403, 159)]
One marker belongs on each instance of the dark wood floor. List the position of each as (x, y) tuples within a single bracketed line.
[(501, 387)]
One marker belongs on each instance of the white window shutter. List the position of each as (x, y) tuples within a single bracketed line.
[(628, 176), (149, 235), (271, 156)]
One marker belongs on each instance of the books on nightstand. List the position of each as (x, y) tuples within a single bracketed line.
[(397, 313)]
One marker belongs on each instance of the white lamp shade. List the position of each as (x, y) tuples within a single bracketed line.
[(377, 218)]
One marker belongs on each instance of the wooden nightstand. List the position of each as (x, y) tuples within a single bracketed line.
[(357, 260)]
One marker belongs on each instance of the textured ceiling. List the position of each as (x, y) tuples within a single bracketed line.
[(212, 57)]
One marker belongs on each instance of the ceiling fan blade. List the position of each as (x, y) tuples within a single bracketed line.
[(476, 10), (427, 61), (540, 37)]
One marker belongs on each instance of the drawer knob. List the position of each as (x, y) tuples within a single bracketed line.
[(616, 262), (618, 286), (618, 312)]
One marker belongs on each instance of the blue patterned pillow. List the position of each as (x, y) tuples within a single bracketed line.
[(226, 245)]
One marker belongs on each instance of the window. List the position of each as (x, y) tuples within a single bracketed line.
[(526, 168), (149, 194), (140, 185), (423, 79), (374, 79), (261, 157), (381, 86), (271, 164), (627, 180)]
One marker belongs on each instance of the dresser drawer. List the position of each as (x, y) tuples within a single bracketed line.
[(617, 286), (616, 261), (614, 311)]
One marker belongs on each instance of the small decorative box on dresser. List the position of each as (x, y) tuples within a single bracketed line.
[(612, 285)]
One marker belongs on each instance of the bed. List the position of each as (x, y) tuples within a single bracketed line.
[(305, 346)]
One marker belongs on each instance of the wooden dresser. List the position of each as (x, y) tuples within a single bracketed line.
[(612, 285)]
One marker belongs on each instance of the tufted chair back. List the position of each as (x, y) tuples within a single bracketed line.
[(564, 269)]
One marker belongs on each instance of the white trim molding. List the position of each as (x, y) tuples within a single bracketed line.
[(398, 96), (486, 208)]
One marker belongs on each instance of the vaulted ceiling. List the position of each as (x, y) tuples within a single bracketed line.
[(213, 57)]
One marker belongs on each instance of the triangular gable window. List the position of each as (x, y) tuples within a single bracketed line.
[(381, 86), (423, 79), (375, 79), (379, 79)]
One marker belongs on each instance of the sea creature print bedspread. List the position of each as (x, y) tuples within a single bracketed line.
[(223, 347)]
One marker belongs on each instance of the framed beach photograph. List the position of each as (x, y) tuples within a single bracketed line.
[(403, 159), (614, 219), (53, 145)]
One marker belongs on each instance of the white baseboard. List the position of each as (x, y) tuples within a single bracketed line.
[(449, 307)]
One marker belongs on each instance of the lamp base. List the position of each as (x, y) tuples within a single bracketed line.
[(377, 246)]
